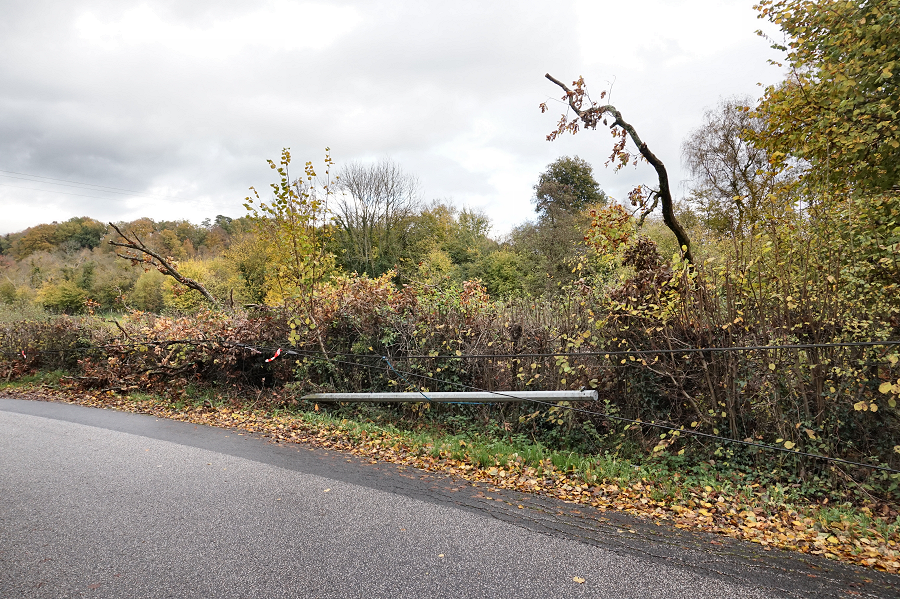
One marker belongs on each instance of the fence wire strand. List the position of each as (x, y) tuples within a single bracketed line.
[(383, 358), (511, 395)]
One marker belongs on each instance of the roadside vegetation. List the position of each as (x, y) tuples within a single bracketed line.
[(734, 342)]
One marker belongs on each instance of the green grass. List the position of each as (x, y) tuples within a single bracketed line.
[(48, 378), (485, 451)]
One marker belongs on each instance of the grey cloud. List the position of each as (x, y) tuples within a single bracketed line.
[(411, 80)]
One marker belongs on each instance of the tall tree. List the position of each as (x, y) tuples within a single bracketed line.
[(371, 213), (839, 108), (568, 185), (731, 177), (548, 247)]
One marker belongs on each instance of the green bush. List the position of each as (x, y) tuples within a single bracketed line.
[(64, 298)]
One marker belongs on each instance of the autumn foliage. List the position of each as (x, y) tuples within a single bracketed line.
[(761, 311)]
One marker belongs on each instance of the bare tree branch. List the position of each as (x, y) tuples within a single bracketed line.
[(591, 117), (148, 257), (371, 211)]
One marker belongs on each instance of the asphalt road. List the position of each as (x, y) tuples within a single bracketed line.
[(96, 503)]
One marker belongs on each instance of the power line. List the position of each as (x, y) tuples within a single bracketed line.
[(68, 193), (635, 352), (679, 430), (101, 187), (81, 195), (63, 185), (511, 395), (643, 352)]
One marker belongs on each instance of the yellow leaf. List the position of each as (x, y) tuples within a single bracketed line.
[(873, 407), (860, 406), (885, 387), (771, 367), (788, 444), (578, 579)]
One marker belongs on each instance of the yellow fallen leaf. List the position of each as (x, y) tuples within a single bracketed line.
[(578, 579)]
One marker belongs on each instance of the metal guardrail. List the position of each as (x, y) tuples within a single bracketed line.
[(456, 396)]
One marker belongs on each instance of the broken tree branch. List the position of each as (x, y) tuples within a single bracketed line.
[(150, 258), (591, 117)]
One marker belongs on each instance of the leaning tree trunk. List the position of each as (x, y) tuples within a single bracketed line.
[(590, 117)]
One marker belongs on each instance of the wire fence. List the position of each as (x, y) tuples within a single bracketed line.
[(681, 391)]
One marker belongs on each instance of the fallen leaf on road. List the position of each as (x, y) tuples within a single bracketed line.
[(702, 508)]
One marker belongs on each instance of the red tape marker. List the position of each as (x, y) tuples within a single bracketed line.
[(277, 353), (24, 357)]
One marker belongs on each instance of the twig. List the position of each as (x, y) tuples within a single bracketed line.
[(124, 332)]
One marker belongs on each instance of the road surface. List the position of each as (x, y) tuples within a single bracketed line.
[(97, 503)]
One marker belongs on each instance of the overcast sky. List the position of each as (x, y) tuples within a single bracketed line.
[(178, 105)]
